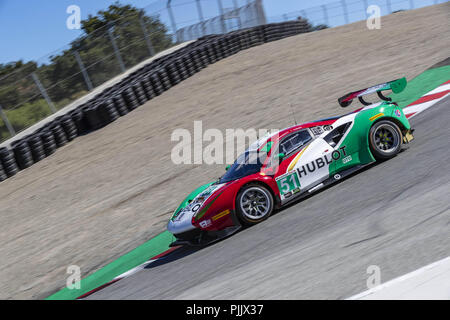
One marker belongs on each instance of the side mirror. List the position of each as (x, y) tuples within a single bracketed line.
[(227, 167)]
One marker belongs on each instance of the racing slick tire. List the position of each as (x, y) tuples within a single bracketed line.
[(385, 140), (254, 203)]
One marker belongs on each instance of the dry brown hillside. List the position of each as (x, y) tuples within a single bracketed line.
[(107, 192)]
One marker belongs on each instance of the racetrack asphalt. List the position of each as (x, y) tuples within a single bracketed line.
[(395, 215)]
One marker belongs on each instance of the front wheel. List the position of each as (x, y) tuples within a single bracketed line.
[(254, 203), (385, 140)]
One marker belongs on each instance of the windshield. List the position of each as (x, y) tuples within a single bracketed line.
[(248, 163)]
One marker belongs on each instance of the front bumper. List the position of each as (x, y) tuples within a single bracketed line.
[(202, 238)]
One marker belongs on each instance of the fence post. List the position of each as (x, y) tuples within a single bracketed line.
[(83, 70), (172, 20), (325, 14), (200, 16), (366, 5), (222, 17), (146, 36), (43, 92), (238, 15), (303, 14), (388, 6), (8, 125), (344, 7), (260, 12), (116, 49)]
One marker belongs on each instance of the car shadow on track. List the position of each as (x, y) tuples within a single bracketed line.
[(177, 254)]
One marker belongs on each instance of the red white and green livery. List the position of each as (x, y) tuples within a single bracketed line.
[(285, 166)]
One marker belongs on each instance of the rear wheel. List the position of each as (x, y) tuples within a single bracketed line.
[(385, 139), (254, 203)]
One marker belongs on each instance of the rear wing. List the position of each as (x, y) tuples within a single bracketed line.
[(396, 86)]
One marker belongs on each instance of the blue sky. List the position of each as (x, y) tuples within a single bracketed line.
[(32, 29)]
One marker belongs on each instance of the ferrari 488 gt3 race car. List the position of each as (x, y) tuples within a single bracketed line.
[(293, 163)]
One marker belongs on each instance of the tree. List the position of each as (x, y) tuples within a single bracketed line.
[(62, 76)]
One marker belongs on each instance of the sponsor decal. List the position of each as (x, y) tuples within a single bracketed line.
[(287, 184), (294, 162), (195, 205), (179, 215), (398, 113), (321, 162), (205, 223), (347, 159), (376, 116), (220, 215)]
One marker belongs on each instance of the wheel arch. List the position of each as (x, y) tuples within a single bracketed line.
[(389, 118), (276, 199), (367, 133), (395, 121)]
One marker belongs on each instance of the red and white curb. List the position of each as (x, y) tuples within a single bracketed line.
[(130, 272), (427, 100)]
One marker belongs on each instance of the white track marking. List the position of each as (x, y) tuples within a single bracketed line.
[(134, 270), (440, 89), (429, 282), (413, 110), (418, 108)]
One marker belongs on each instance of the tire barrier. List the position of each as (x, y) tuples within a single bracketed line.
[(80, 121), (107, 112), (8, 162), (120, 104), (3, 175), (48, 141), (69, 127), (36, 147), (93, 117), (22, 153), (59, 134), (136, 89)]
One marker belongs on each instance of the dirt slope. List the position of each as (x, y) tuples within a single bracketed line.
[(107, 192)]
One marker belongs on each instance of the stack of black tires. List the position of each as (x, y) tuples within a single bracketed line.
[(136, 89)]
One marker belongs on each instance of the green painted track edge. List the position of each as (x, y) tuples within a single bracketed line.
[(134, 258), (422, 84)]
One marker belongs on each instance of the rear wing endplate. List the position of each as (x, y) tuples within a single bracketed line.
[(396, 86)]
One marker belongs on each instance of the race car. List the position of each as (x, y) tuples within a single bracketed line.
[(292, 163)]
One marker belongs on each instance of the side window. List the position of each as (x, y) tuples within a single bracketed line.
[(294, 141), (335, 136)]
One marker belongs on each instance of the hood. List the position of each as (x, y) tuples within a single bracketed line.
[(181, 221)]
